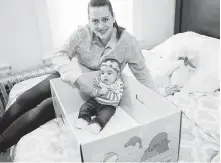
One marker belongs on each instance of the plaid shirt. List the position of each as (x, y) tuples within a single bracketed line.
[(84, 46)]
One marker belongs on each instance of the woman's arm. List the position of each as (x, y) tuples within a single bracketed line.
[(136, 63), (68, 70)]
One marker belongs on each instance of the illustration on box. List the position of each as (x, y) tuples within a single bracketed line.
[(159, 145)]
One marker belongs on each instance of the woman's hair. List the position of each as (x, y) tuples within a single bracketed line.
[(99, 3)]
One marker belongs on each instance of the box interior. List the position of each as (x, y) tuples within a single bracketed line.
[(136, 108)]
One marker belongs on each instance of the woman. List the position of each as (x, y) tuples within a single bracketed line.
[(101, 38)]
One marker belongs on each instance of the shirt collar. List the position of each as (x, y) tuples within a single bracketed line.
[(95, 39), (111, 42)]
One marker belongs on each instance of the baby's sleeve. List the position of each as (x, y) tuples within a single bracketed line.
[(116, 92), (96, 88)]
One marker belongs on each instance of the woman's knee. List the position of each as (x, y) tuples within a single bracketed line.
[(44, 111), (25, 100), (35, 95), (55, 75), (14, 111)]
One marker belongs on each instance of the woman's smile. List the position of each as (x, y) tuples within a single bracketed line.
[(102, 31)]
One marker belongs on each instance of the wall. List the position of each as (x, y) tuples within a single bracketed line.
[(64, 17), (153, 20), (20, 42), (31, 29)]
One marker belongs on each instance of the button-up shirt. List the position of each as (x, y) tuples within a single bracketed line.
[(85, 46)]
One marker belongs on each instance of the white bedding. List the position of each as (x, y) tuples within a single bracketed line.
[(206, 51), (200, 121), (200, 126), (199, 141)]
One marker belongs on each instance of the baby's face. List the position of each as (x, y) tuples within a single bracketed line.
[(108, 75)]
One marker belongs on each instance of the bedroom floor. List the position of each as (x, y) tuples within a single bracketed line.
[(4, 157)]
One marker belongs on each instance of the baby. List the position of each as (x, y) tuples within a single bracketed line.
[(105, 97)]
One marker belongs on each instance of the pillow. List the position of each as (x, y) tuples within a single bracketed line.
[(176, 43), (180, 76), (207, 50), (150, 57), (154, 63), (203, 82)]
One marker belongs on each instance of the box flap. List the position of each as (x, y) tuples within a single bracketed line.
[(115, 148)]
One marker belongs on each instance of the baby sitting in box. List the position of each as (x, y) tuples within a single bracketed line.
[(105, 97)]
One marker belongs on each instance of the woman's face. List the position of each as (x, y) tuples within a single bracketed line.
[(101, 21)]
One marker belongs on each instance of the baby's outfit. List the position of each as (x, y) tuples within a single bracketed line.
[(104, 106)]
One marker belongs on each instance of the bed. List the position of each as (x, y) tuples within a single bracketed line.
[(199, 99), (196, 31)]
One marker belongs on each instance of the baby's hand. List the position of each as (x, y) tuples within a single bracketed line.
[(103, 91)]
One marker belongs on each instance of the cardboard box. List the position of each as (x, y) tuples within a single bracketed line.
[(144, 128)]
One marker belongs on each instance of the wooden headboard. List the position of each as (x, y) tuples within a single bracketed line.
[(200, 16)]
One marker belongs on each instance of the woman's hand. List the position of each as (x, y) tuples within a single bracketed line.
[(171, 89), (85, 82), (68, 78)]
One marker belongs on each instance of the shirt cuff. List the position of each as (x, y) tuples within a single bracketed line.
[(71, 76), (161, 92)]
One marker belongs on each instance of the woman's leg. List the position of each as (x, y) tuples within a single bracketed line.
[(26, 123), (26, 101)]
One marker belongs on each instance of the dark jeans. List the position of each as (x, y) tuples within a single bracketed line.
[(31, 109), (102, 112)]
